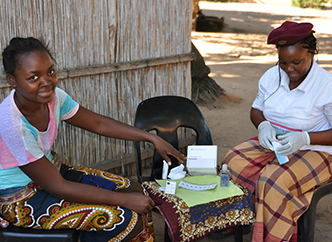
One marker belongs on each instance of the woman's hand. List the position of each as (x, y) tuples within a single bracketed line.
[(138, 202), (292, 141), (164, 149), (266, 135)]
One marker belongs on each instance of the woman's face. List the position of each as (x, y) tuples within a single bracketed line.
[(295, 61), (35, 78)]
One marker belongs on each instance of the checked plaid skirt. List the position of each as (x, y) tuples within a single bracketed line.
[(282, 192)]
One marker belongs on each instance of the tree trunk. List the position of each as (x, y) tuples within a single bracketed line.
[(204, 88)]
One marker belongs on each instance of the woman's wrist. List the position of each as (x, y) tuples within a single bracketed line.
[(153, 138)]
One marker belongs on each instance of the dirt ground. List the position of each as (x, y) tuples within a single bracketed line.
[(238, 56)]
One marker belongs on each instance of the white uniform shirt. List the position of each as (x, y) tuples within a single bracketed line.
[(305, 108)]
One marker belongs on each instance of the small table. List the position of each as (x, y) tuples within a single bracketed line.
[(192, 223)]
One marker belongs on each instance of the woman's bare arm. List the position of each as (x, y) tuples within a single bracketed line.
[(109, 127), (44, 174), (256, 117)]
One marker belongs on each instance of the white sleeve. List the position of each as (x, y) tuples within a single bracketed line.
[(328, 113), (259, 100), (267, 84), (327, 109)]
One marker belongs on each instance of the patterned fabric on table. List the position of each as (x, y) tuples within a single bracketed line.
[(39, 210), (283, 192), (192, 223)]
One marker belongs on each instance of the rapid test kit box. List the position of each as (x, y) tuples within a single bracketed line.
[(202, 159)]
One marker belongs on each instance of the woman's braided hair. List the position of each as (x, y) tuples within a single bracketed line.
[(310, 42), (18, 47)]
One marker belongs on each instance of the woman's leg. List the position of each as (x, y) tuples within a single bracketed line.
[(144, 227), (283, 192), (111, 223), (245, 162)]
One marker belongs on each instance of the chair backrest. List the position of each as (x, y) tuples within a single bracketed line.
[(165, 114)]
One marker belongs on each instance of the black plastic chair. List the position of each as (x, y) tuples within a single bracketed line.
[(16, 234), (306, 223), (165, 114)]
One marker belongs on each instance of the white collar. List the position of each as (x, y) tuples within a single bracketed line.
[(306, 84)]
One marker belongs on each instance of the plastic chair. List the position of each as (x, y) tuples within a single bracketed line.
[(306, 223), (16, 234), (165, 114)]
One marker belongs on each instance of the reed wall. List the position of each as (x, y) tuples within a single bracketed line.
[(111, 55)]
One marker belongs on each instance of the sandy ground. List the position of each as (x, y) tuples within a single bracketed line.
[(238, 56)]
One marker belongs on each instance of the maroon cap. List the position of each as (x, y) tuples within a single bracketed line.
[(289, 33)]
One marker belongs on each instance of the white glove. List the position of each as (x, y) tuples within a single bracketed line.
[(292, 141), (266, 135)]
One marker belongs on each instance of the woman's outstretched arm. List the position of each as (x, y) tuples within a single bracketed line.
[(109, 127)]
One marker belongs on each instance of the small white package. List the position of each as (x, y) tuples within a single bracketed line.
[(202, 159)]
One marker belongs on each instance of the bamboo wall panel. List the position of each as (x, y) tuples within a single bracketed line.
[(85, 34), (153, 28), (79, 32)]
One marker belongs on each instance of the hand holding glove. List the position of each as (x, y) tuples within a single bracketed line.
[(292, 141), (266, 135)]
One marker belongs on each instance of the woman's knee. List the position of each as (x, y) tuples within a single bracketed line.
[(275, 176), (136, 231)]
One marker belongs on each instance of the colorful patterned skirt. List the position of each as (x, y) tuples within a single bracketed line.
[(282, 192), (33, 207)]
